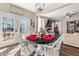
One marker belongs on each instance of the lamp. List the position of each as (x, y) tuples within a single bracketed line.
[(39, 7)]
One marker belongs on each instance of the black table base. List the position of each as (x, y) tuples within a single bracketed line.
[(43, 41)]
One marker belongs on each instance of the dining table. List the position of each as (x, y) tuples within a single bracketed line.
[(40, 42)]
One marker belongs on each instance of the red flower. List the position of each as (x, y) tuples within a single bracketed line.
[(32, 37), (47, 38)]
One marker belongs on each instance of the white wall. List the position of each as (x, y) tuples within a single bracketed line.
[(5, 7), (5, 10), (64, 23)]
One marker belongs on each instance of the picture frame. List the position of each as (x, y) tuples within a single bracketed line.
[(16, 10), (71, 26), (32, 24)]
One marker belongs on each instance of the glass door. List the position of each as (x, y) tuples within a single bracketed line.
[(24, 25), (8, 27)]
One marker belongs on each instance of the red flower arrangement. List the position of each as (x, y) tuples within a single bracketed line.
[(32, 37), (35, 37), (48, 38)]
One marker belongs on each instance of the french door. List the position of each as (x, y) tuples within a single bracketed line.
[(10, 28), (24, 25)]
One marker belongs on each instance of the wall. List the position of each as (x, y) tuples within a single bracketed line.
[(5, 7), (64, 23)]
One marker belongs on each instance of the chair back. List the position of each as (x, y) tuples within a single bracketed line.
[(24, 45), (53, 49)]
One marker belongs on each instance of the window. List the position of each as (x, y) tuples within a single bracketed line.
[(7, 24), (24, 25), (22, 28)]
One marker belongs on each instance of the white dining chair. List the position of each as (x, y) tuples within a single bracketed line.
[(26, 47), (53, 49)]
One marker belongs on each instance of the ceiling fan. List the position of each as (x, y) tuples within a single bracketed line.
[(70, 15)]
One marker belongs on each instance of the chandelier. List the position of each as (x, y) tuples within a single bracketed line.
[(39, 7)]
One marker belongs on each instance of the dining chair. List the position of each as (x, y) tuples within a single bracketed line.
[(23, 45), (26, 47), (53, 49)]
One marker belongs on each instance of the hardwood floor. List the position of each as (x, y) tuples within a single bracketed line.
[(9, 50), (67, 50)]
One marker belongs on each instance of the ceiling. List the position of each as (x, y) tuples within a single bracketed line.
[(53, 10), (30, 6), (61, 12)]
